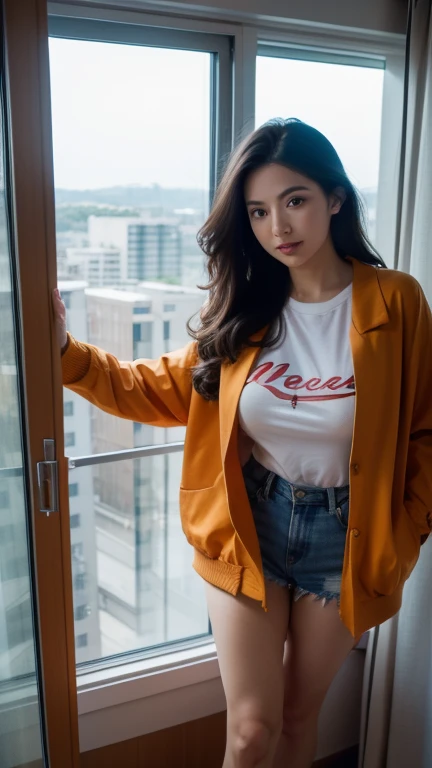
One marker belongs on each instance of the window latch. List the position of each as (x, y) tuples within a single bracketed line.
[(47, 476)]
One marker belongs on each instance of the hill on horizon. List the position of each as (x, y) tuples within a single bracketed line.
[(134, 196)]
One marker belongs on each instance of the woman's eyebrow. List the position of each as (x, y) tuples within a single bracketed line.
[(287, 191)]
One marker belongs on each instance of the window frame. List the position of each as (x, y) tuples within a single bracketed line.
[(140, 33), (32, 234), (361, 49), (107, 696)]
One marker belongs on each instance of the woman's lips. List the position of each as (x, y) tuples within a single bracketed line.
[(289, 248)]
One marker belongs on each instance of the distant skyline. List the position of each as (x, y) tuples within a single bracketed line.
[(129, 115)]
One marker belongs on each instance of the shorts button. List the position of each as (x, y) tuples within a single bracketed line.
[(300, 494), (355, 532)]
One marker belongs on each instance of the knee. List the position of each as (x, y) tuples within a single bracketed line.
[(296, 723), (254, 740)]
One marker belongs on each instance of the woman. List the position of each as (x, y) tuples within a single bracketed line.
[(306, 483)]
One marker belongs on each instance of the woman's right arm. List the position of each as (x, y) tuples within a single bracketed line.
[(155, 392)]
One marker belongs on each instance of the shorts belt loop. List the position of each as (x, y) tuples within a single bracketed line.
[(264, 492), (332, 500)]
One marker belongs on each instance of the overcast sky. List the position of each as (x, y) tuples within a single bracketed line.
[(133, 115)]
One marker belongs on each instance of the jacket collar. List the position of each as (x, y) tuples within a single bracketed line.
[(369, 311)]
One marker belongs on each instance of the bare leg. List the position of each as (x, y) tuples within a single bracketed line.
[(317, 645), (250, 646)]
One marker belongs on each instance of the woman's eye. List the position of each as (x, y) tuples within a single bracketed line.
[(258, 213), (296, 200)]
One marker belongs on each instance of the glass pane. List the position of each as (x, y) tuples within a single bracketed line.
[(343, 102), (133, 582), (20, 712), (131, 129)]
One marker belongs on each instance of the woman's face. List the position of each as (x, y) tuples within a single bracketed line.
[(289, 214)]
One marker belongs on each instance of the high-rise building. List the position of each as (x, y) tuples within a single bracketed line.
[(150, 248)]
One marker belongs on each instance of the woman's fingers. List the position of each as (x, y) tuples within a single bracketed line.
[(57, 299), (60, 317)]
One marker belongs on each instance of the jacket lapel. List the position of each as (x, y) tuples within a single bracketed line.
[(369, 309), (233, 377)]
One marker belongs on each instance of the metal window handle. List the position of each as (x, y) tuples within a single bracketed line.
[(47, 476)]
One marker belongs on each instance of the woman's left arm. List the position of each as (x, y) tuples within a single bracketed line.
[(418, 479)]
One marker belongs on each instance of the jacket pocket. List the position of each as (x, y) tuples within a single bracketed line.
[(206, 521), (398, 556)]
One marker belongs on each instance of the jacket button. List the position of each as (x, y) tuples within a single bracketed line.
[(355, 532), (355, 468)]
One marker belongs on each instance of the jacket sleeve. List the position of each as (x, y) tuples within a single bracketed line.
[(154, 392), (418, 480)]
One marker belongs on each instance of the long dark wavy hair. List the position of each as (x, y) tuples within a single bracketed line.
[(247, 287)]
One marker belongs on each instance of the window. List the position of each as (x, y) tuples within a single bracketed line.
[(69, 439), (81, 641), (136, 332), (81, 612), (77, 551), (75, 521), (142, 331), (73, 489), (141, 310), (333, 97), (129, 504), (68, 408), (80, 581), (131, 552)]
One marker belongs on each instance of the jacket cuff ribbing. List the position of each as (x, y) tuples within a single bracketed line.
[(75, 361)]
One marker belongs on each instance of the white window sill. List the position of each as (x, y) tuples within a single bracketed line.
[(120, 703), (146, 677)]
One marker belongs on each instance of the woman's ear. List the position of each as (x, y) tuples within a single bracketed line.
[(337, 199)]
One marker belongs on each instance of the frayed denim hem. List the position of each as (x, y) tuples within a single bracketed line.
[(326, 597), (299, 592)]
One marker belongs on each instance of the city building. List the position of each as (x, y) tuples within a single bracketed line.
[(96, 266), (150, 249)]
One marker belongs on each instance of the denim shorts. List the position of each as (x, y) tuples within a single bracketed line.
[(301, 532)]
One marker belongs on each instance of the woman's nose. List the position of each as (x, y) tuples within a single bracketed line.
[(280, 226)]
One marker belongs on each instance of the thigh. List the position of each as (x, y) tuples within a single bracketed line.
[(317, 645), (250, 646)]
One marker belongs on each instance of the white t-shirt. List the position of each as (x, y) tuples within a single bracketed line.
[(298, 401)]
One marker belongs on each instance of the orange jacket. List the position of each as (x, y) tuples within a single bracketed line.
[(391, 454)]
